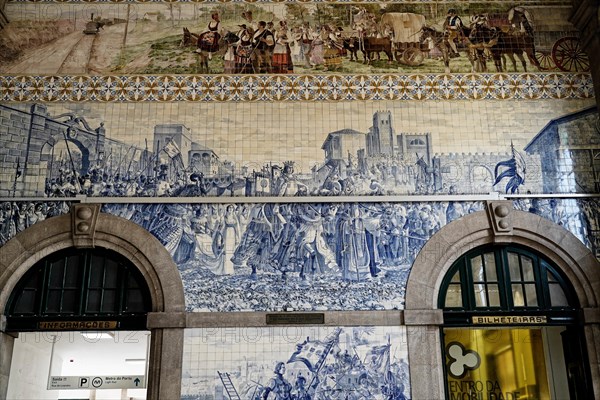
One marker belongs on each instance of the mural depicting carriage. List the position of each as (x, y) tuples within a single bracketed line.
[(556, 40), (405, 29), (395, 33)]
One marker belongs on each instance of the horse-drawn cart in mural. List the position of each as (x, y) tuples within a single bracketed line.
[(404, 30), (556, 40), (396, 34)]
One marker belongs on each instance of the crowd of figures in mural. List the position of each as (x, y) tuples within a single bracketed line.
[(325, 256), (16, 216), (293, 38), (79, 159), (357, 363), (351, 256)]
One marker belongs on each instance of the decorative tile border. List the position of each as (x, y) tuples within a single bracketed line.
[(266, 1), (205, 88)]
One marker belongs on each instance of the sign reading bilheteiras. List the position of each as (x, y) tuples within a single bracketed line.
[(509, 319), (77, 325), (296, 319)]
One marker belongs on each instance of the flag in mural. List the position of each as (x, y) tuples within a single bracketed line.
[(171, 149), (378, 359), (514, 169), (314, 353)]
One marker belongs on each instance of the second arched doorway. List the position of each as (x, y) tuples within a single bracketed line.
[(440, 271)]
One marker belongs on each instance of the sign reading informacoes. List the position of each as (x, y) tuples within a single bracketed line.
[(97, 382), (76, 325)]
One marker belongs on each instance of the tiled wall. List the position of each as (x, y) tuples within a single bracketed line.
[(332, 362), (289, 149), (129, 108)]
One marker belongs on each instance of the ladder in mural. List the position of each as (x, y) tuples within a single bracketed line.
[(229, 388)]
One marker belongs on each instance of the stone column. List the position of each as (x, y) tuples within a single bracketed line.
[(592, 339), (425, 353), (166, 355), (6, 350)]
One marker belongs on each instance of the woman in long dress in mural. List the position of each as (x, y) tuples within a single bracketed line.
[(332, 47), (353, 253), (210, 253), (208, 41), (284, 255), (282, 55), (317, 50), (244, 51), (259, 238)]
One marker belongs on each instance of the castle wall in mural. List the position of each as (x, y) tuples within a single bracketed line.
[(321, 150), (183, 38)]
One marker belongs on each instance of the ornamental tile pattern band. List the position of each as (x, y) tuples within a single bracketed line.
[(258, 1), (218, 88)]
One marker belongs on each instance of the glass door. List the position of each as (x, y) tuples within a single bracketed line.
[(507, 363)]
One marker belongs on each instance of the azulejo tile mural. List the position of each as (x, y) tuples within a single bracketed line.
[(290, 98), (294, 37), (296, 363), (222, 88), (327, 256), (300, 257), (317, 149)]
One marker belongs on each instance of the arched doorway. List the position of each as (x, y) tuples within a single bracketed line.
[(511, 328), (83, 288), (88, 308), (87, 228), (498, 225)]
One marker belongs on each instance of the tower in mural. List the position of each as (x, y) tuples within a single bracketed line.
[(380, 139)]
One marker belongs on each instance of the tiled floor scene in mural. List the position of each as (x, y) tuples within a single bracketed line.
[(327, 362)]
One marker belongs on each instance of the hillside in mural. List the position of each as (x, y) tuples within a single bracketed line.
[(300, 38)]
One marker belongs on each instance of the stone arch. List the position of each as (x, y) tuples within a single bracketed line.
[(500, 224), (477, 178), (85, 142), (553, 241), (86, 226), (138, 245)]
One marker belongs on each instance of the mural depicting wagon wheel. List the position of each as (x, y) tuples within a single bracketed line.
[(556, 40), (404, 30), (568, 55)]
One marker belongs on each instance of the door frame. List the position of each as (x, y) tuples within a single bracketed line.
[(87, 226), (500, 223)]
